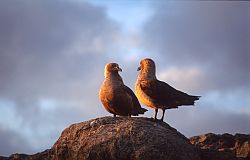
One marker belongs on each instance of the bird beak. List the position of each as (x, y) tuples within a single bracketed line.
[(119, 69), (139, 68)]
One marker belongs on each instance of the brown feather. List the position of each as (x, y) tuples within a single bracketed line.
[(162, 94), (117, 98), (137, 109), (158, 94)]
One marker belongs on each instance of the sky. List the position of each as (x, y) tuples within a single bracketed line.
[(53, 53)]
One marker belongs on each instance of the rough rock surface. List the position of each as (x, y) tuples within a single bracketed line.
[(123, 138), (134, 138), (225, 146), (45, 155)]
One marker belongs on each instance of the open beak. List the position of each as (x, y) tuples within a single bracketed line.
[(139, 68)]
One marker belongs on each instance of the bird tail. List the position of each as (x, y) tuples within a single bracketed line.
[(142, 110), (196, 97), (191, 100)]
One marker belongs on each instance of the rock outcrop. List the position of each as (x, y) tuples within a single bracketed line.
[(125, 138), (225, 146)]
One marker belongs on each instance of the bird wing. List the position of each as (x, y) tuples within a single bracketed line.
[(136, 105), (133, 96), (163, 94)]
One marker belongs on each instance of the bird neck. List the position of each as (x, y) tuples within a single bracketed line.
[(146, 75), (114, 78)]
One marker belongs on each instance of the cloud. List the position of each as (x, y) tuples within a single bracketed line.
[(197, 120), (188, 79), (211, 35), (11, 142), (52, 55), (50, 46)]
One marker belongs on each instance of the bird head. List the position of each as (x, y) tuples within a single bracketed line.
[(147, 68), (112, 68)]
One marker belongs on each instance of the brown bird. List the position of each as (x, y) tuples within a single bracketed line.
[(157, 94), (117, 98)]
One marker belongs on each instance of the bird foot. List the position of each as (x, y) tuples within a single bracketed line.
[(154, 118), (157, 120)]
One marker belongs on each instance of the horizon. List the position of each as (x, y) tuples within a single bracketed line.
[(53, 53)]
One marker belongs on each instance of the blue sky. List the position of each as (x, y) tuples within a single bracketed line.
[(52, 56)]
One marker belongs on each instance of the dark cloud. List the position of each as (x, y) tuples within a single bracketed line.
[(48, 47), (213, 36), (52, 55), (12, 142), (201, 120)]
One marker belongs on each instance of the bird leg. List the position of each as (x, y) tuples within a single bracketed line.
[(156, 111), (114, 115), (163, 112)]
